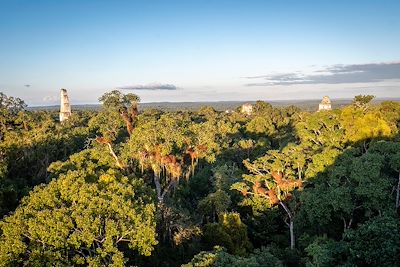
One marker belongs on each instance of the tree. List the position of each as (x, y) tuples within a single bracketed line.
[(171, 146), (219, 200), (229, 232), (320, 130), (391, 111), (125, 104), (9, 109), (272, 123), (356, 187), (273, 178), (395, 164), (12, 104), (108, 124), (362, 101), (220, 258), (83, 217), (327, 252), (332, 177), (262, 107), (375, 243), (32, 141), (160, 145)]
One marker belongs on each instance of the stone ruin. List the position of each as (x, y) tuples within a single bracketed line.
[(65, 107), (247, 109), (325, 104)]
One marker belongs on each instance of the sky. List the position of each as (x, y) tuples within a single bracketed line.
[(199, 50)]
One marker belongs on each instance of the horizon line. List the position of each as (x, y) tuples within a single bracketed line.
[(222, 101)]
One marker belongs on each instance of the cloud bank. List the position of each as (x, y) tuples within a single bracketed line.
[(151, 86), (336, 74), (50, 99)]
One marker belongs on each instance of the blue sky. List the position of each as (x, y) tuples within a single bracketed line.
[(199, 50)]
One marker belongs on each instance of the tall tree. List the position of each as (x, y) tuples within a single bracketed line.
[(125, 104), (362, 101), (273, 177)]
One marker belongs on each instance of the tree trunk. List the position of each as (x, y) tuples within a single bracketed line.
[(114, 156), (291, 225), (398, 193), (158, 188), (162, 192), (292, 240)]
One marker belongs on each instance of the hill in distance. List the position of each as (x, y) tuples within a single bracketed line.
[(308, 105)]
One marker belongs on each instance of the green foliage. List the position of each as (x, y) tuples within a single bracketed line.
[(391, 111), (82, 217), (116, 100), (216, 134), (320, 130), (329, 180), (327, 252), (207, 111), (229, 232), (10, 108), (376, 243), (10, 104), (262, 107), (214, 204), (267, 191), (356, 184), (360, 126), (362, 101), (126, 105), (219, 200), (319, 162), (170, 131), (219, 258), (107, 123), (261, 125), (34, 140), (271, 122)]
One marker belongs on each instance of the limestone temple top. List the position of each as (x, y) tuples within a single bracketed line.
[(65, 107), (325, 104)]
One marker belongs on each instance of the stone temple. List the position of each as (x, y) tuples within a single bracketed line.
[(65, 107), (325, 104), (247, 109)]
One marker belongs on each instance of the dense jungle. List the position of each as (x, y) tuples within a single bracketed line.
[(129, 187)]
